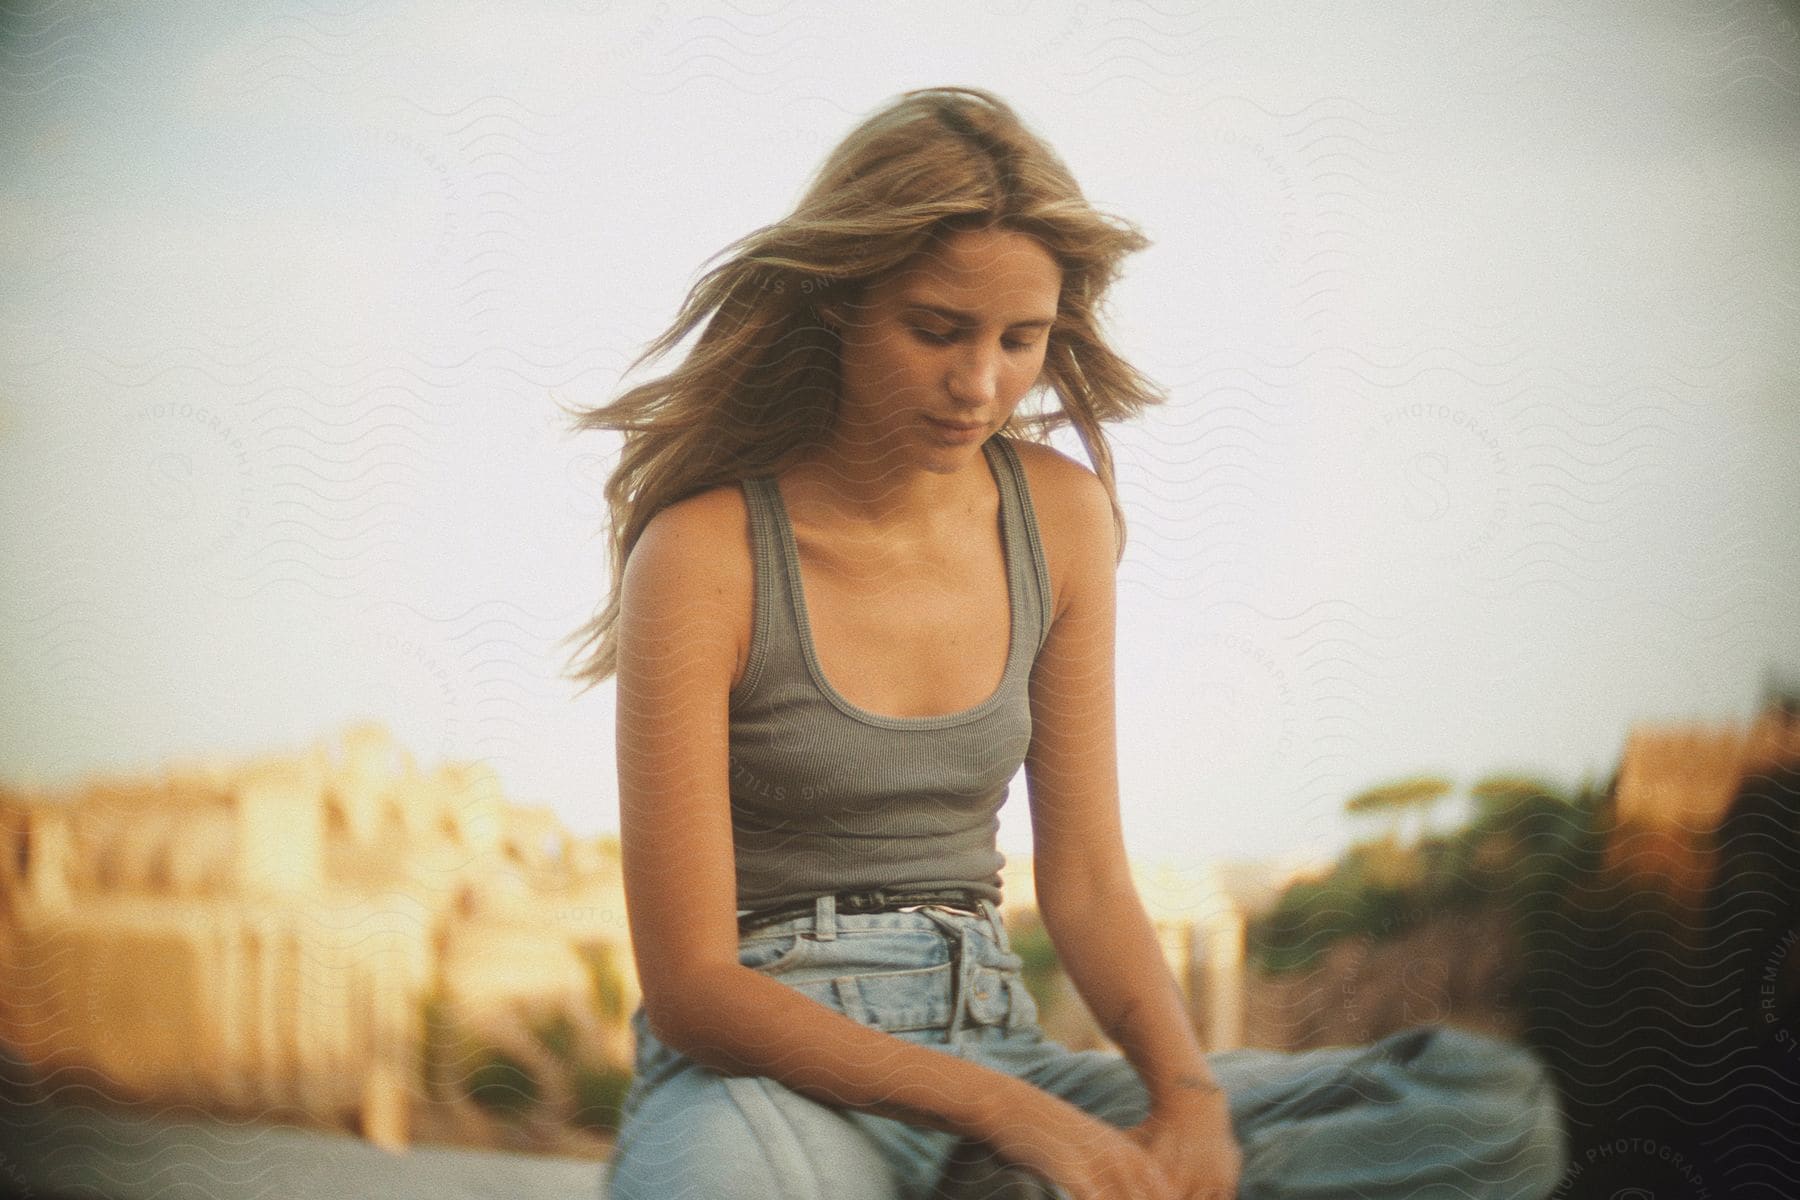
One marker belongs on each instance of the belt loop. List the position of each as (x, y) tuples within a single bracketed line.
[(964, 957), (992, 912), (825, 917)]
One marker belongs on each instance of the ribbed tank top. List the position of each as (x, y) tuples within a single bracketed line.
[(828, 797)]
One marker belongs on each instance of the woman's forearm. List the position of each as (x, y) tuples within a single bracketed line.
[(1107, 946), (744, 1023)]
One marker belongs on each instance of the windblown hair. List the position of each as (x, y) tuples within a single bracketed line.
[(761, 383)]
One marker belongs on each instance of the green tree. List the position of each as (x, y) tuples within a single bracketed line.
[(502, 1084), (599, 1095), (607, 980), (556, 1033), (1420, 793)]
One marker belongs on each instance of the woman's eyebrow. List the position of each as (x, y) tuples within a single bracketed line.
[(959, 317)]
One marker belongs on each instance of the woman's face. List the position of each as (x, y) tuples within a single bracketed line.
[(956, 340)]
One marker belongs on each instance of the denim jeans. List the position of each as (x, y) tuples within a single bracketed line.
[(1429, 1112)]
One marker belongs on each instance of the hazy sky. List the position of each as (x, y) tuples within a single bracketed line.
[(1478, 328)]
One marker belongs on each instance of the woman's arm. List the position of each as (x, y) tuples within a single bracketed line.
[(679, 615), (1104, 940)]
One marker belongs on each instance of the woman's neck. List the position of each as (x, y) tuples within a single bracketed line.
[(895, 494)]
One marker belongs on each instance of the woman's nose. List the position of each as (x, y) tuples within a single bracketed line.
[(975, 379)]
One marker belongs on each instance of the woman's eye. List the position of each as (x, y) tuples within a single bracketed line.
[(944, 339)]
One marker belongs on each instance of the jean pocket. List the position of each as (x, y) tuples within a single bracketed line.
[(774, 953), (899, 1001)]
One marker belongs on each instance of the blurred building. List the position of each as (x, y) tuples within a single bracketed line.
[(263, 937), (1675, 785)]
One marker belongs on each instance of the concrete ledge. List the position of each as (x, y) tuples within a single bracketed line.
[(72, 1152)]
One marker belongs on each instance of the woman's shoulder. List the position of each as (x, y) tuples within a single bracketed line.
[(703, 540), (705, 510), (704, 528), (1053, 477)]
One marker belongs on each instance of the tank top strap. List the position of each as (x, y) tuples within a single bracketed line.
[(1032, 597), (773, 614)]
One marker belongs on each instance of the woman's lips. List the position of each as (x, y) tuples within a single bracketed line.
[(956, 434)]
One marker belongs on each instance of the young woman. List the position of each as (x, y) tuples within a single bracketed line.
[(854, 592)]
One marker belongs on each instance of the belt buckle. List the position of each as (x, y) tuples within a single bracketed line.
[(856, 903)]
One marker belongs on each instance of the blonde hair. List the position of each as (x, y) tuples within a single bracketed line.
[(760, 385)]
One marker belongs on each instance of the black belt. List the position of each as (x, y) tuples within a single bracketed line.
[(876, 901)]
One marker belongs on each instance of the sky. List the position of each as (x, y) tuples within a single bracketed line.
[(1477, 326)]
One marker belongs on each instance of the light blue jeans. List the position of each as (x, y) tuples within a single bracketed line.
[(1428, 1112)]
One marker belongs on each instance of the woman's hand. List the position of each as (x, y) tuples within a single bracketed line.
[(1089, 1158), (1191, 1139)]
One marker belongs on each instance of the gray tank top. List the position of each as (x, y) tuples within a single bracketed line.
[(828, 797)]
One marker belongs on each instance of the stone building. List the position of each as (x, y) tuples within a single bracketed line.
[(262, 937)]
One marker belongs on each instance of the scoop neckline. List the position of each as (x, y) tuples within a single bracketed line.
[(1009, 554)]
